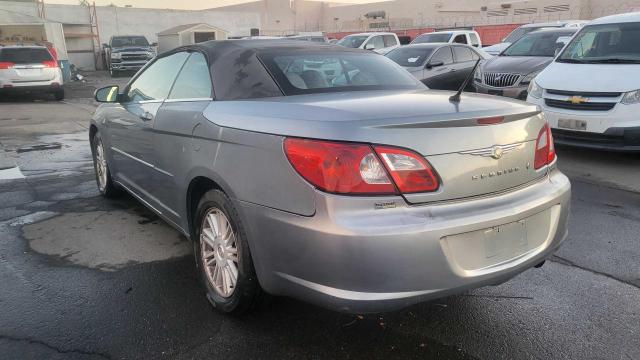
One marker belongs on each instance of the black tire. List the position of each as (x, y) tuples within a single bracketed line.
[(58, 95), (109, 189), (247, 292)]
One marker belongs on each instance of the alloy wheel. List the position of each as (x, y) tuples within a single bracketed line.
[(219, 252), (101, 165)]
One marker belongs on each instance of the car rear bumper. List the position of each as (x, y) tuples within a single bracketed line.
[(517, 92), (364, 254), (36, 87)]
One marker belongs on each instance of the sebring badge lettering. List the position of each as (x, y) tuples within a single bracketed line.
[(495, 173)]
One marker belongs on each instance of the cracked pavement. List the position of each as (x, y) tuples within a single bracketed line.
[(88, 278)]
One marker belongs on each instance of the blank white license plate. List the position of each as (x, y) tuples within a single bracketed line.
[(573, 124)]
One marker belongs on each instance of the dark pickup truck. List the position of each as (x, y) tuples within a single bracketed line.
[(127, 53)]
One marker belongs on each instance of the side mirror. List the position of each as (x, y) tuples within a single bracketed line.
[(433, 64), (108, 94), (369, 47), (106, 46)]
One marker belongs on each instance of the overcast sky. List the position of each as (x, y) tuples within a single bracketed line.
[(178, 4)]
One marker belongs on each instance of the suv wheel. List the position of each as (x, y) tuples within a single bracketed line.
[(58, 94), (222, 255)]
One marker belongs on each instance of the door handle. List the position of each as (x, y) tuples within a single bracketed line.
[(147, 116), (452, 70)]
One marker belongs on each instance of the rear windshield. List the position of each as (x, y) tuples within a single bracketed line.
[(410, 57), (432, 38), (129, 41), (536, 44), (318, 72), (25, 55), (604, 44), (353, 42)]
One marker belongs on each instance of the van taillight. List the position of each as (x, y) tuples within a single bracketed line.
[(6, 65), (545, 150), (352, 168)]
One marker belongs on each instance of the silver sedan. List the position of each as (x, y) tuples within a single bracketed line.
[(330, 174)]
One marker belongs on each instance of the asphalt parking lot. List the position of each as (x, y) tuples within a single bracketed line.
[(89, 278)]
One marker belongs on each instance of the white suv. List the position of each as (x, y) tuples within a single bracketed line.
[(380, 42), (468, 37), (590, 93), (29, 69)]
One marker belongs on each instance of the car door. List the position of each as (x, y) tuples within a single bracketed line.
[(176, 122), (131, 125), (463, 63), (440, 77)]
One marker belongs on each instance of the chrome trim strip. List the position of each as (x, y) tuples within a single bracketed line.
[(187, 100), (141, 161), (487, 152)]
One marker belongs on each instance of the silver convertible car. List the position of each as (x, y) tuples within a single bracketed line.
[(330, 175)]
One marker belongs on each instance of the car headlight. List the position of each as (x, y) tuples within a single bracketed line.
[(535, 90), (527, 79), (116, 55), (632, 97)]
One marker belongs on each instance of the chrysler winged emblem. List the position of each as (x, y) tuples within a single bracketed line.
[(497, 152)]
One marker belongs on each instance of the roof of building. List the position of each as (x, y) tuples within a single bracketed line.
[(182, 28), (14, 18)]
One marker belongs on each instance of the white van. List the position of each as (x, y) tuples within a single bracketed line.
[(590, 93), (468, 37), (380, 42)]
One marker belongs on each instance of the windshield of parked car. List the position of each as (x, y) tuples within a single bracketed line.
[(536, 44), (129, 41), (353, 41), (518, 33), (312, 72), (432, 38), (410, 56), (25, 55), (604, 44)]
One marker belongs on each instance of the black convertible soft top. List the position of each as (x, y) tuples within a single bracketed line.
[(236, 69)]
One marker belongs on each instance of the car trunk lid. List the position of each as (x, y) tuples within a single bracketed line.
[(470, 159)]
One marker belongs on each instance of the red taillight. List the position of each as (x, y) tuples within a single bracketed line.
[(545, 150), (348, 168), (6, 65), (341, 168), (410, 171), (50, 63)]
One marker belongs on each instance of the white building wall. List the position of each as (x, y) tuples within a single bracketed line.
[(147, 22)]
